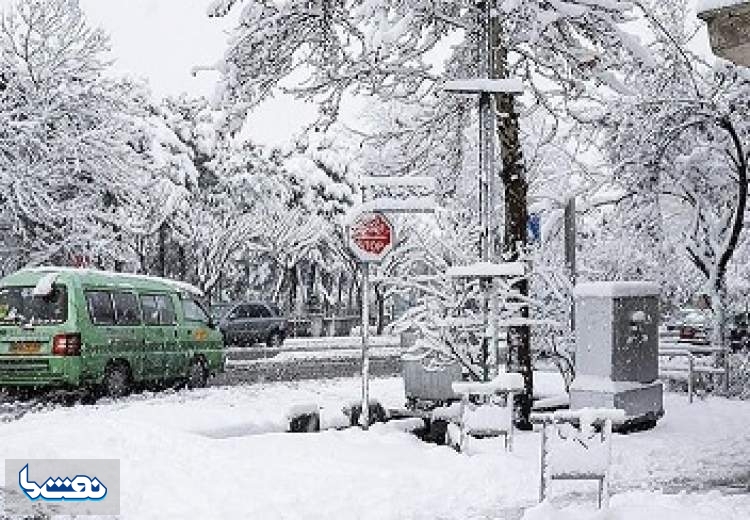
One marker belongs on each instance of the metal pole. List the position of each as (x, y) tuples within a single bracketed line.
[(543, 464), (691, 367), (364, 416), (484, 286), (486, 166), (494, 304), (486, 137), (726, 369), (570, 251)]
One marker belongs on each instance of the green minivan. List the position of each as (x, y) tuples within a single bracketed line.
[(69, 328)]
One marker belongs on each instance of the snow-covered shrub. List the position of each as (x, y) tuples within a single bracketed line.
[(377, 412), (739, 375), (304, 418)]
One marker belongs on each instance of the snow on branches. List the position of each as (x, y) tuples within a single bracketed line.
[(393, 50), (679, 148), (66, 164)]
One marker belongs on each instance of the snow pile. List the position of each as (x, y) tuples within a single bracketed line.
[(302, 409), (487, 418), (487, 269), (477, 85), (221, 453), (408, 425), (589, 416), (504, 382), (616, 289), (602, 384), (452, 412), (643, 505), (44, 286)]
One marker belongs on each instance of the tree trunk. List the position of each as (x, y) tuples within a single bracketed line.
[(380, 303), (352, 288), (162, 259), (292, 289), (181, 255), (515, 186), (339, 300)]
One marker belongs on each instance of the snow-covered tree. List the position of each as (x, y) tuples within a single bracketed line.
[(679, 145), (67, 172)]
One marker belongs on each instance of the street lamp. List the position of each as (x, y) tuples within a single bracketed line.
[(728, 28)]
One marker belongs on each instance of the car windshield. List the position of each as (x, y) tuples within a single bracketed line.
[(219, 311), (18, 305)]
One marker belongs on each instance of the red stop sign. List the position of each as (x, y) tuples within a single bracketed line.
[(371, 237)]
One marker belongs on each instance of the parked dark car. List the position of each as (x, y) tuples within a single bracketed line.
[(674, 321), (249, 323), (219, 310), (696, 327), (739, 331)]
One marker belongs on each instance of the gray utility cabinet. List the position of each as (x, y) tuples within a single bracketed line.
[(617, 347), (428, 381)]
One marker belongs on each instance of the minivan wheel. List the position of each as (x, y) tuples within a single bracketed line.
[(117, 380), (274, 340), (197, 374)]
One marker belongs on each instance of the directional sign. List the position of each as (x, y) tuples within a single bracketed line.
[(371, 237)]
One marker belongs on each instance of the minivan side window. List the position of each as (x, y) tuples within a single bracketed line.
[(127, 311), (100, 307), (157, 309), (193, 311)]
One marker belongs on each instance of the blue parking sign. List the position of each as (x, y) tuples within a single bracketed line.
[(534, 228)]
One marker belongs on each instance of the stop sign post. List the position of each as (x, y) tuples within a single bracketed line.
[(371, 237)]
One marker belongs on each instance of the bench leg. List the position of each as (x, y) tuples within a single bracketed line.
[(543, 465)]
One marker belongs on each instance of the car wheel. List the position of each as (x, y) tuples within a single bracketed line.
[(117, 380), (274, 340), (197, 374)]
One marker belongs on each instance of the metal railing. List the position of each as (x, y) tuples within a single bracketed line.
[(690, 351)]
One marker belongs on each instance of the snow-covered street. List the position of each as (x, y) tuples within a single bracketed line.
[(221, 453)]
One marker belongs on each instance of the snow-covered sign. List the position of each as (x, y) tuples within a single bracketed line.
[(478, 85), (487, 270), (397, 194), (618, 289), (371, 237)]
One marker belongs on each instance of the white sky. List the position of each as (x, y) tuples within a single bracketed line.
[(162, 40)]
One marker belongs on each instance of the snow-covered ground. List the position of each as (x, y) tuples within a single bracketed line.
[(220, 453)]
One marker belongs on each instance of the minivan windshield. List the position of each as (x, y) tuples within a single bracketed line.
[(18, 305)]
